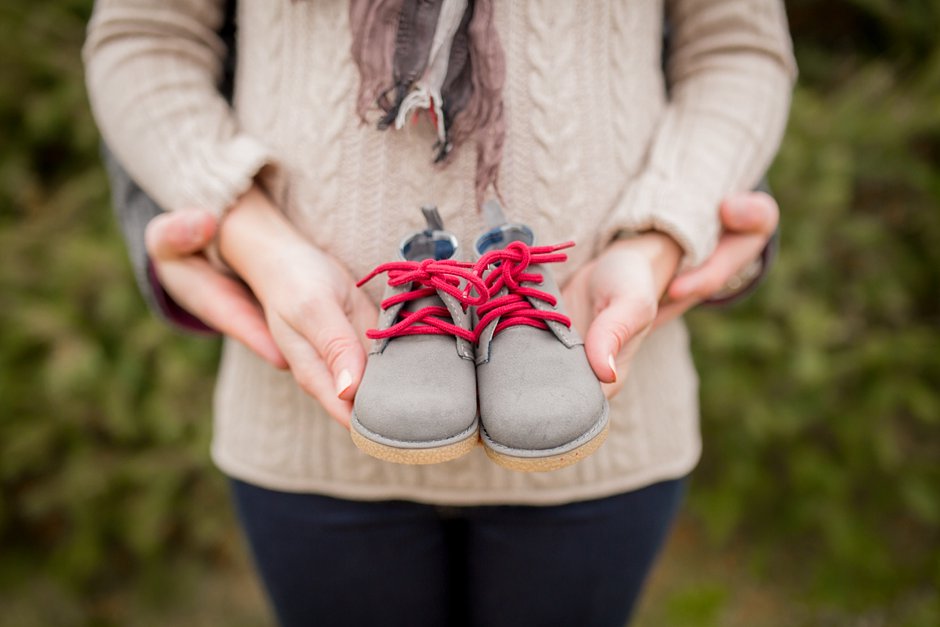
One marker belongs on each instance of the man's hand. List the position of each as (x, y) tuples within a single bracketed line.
[(749, 220), (316, 314), (174, 241)]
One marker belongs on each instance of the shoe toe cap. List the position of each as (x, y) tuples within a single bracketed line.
[(544, 418), (543, 403), (417, 400)]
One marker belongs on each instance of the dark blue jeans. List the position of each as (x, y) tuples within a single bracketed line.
[(327, 561)]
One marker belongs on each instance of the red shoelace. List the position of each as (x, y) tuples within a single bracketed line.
[(431, 275), (514, 307)]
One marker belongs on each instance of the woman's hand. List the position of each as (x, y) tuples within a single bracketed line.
[(174, 243), (749, 219), (315, 313), (613, 301)]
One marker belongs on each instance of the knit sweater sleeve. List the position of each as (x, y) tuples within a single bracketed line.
[(152, 69), (730, 71)]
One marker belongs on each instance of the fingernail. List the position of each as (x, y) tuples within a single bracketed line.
[(613, 366), (343, 381)]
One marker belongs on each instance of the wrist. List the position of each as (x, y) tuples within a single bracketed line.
[(255, 237), (660, 250)]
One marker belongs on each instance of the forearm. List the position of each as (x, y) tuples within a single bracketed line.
[(730, 70), (260, 244), (152, 70), (255, 239)]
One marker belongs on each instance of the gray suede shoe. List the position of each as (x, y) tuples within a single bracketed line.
[(417, 402), (541, 406)]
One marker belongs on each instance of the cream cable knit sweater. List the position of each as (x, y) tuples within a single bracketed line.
[(594, 146)]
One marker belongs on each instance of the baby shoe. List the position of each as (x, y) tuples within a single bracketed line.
[(541, 406), (417, 401)]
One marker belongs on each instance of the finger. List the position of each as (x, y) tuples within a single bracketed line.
[(578, 306), (673, 309), (612, 330), (363, 315), (221, 302), (577, 300), (733, 253), (179, 233), (750, 212), (327, 327), (309, 370), (579, 311)]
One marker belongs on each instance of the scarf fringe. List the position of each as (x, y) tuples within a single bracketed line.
[(455, 72)]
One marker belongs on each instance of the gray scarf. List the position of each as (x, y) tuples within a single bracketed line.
[(442, 57)]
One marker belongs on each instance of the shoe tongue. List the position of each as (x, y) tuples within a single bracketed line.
[(421, 303), (427, 301)]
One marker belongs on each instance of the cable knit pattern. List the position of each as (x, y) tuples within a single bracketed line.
[(556, 156), (594, 147)]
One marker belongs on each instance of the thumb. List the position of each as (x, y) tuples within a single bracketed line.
[(750, 212), (364, 316), (333, 336), (179, 233), (617, 328)]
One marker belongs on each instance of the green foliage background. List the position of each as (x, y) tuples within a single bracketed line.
[(821, 399)]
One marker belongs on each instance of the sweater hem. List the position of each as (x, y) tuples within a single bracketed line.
[(459, 496)]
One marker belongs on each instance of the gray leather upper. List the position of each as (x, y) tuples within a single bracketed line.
[(536, 388), (418, 389)]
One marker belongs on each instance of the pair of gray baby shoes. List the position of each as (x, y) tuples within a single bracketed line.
[(469, 352)]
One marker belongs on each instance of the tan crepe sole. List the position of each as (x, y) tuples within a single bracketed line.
[(414, 456), (552, 462)]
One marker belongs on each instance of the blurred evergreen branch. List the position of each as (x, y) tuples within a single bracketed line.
[(821, 421), (104, 413)]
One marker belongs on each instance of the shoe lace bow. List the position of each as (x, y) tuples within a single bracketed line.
[(511, 272), (428, 276)]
